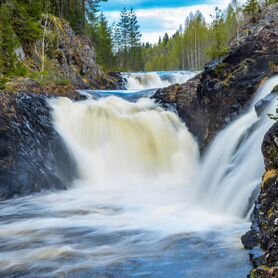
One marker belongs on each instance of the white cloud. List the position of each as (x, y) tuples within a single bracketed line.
[(155, 22)]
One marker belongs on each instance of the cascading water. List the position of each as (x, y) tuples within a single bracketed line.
[(115, 141), (133, 211), (150, 80), (233, 165)]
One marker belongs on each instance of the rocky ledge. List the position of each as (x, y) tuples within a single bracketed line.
[(212, 99), (263, 235), (33, 157)]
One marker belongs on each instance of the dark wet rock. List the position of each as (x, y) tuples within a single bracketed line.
[(33, 157), (262, 104), (250, 240), (257, 257), (264, 227), (166, 97), (225, 88), (168, 94), (264, 272), (119, 79)]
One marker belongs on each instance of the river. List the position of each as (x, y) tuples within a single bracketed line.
[(145, 204)]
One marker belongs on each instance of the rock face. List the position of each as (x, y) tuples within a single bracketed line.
[(224, 89), (264, 229), (33, 157), (68, 57)]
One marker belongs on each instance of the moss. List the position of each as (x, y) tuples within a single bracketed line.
[(271, 212), (220, 69), (270, 174), (260, 272), (3, 81), (273, 67)]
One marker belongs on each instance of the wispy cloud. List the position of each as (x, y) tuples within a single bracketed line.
[(155, 22), (114, 5)]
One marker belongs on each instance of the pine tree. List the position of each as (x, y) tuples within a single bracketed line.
[(127, 41), (135, 53), (270, 2), (134, 30), (165, 39), (252, 7), (104, 43), (123, 36), (219, 44), (8, 43)]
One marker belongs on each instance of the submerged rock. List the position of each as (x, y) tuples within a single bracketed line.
[(33, 157)]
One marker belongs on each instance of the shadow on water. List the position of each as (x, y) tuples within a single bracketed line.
[(129, 95)]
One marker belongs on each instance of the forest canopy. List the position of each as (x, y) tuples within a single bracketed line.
[(119, 46)]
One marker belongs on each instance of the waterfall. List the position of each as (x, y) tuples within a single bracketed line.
[(149, 80), (124, 146), (233, 166), (119, 143)]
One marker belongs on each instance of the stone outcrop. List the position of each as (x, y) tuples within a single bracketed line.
[(33, 157), (262, 239), (68, 58), (264, 230), (223, 90)]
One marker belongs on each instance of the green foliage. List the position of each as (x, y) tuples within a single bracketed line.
[(195, 43), (127, 42), (26, 22), (119, 46), (251, 8), (270, 2), (219, 36), (221, 68), (8, 43), (104, 43)]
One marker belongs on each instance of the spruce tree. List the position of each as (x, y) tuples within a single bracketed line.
[(135, 53), (252, 7), (104, 43), (165, 38), (123, 36), (134, 30), (219, 36), (8, 43)]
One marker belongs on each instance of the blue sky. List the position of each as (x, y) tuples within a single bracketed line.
[(159, 16), (148, 4)]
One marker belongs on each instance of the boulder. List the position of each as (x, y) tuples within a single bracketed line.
[(264, 229), (33, 156), (225, 88)]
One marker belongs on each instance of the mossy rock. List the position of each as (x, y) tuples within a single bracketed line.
[(268, 176), (275, 90), (264, 272)]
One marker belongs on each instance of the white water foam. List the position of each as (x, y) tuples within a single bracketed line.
[(233, 165), (136, 157), (150, 80)]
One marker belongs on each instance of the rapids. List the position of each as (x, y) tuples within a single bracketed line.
[(144, 204), (150, 80)]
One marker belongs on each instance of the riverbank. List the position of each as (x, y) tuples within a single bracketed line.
[(224, 89), (35, 157)]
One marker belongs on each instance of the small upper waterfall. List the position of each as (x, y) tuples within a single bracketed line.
[(150, 80), (233, 165)]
